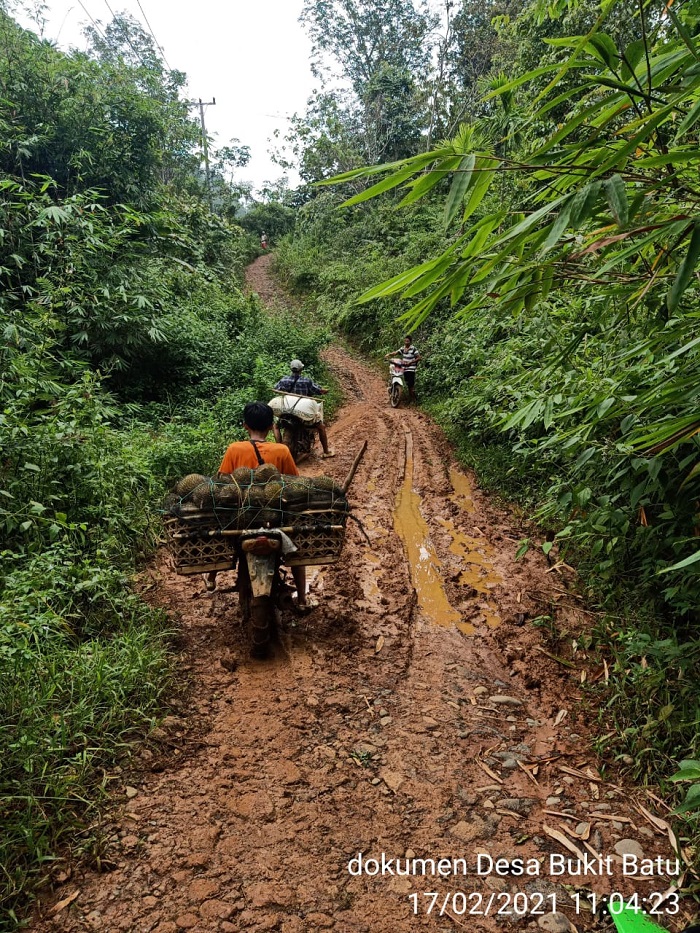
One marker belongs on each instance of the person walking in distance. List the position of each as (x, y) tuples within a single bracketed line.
[(410, 357)]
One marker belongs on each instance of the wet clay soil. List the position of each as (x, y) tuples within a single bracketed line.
[(413, 713)]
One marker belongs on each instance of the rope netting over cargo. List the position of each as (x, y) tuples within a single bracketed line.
[(312, 510), (260, 498)]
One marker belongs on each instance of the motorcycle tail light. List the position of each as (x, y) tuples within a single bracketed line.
[(261, 545)]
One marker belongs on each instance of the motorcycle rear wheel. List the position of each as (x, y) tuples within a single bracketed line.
[(289, 439), (300, 442), (395, 395), (262, 622)]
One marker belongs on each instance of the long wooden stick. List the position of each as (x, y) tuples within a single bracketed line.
[(353, 468)]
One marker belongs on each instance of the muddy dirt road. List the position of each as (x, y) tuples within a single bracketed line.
[(413, 713)]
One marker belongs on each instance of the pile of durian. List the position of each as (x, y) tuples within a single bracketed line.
[(247, 498)]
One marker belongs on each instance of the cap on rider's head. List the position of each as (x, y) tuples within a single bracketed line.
[(296, 366)]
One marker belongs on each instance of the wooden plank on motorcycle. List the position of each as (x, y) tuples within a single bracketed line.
[(206, 567), (309, 561)]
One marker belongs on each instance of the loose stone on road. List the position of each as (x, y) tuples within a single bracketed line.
[(412, 711)]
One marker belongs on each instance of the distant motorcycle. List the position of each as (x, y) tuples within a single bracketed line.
[(297, 417), (396, 381), (299, 436)]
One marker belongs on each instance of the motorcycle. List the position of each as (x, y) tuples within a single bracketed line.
[(262, 591), (298, 436), (396, 381), (297, 417), (207, 538)]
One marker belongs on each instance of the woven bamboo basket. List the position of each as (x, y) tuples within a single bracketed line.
[(318, 534), (203, 540), (192, 550)]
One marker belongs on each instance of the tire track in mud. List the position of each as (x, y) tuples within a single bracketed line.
[(372, 729)]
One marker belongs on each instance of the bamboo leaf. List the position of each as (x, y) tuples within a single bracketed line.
[(693, 559), (676, 157), (683, 32), (685, 272), (486, 170), (604, 49), (632, 56), (428, 278), (386, 184), (558, 227), (605, 7), (583, 203), (460, 184), (529, 76), (398, 282), (418, 162), (421, 186), (617, 199), (691, 118), (480, 233)]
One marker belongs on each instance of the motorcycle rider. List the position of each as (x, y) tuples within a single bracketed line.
[(410, 358), (257, 420), (297, 384)]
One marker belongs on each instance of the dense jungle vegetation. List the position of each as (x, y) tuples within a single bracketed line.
[(518, 184), (128, 351)]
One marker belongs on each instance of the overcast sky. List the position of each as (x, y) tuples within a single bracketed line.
[(251, 55)]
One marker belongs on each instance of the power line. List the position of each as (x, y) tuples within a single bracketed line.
[(126, 36), (70, 10), (94, 23), (158, 45)]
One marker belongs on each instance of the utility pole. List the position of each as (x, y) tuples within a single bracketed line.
[(205, 147)]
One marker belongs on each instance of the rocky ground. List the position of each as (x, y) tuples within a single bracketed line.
[(418, 712)]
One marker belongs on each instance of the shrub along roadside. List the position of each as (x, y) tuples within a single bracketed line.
[(85, 666), (621, 516)]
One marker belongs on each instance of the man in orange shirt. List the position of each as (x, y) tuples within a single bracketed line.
[(257, 420)]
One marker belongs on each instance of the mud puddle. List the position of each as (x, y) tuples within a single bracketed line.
[(366, 732), (424, 563)]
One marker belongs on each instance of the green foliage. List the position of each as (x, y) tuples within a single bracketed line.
[(546, 256), (128, 352), (381, 54), (615, 405), (274, 218), (115, 123), (365, 37), (689, 771), (83, 671)]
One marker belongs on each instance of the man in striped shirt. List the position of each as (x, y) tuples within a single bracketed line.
[(410, 358)]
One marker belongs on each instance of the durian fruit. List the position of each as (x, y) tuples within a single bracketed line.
[(296, 488), (265, 472), (202, 495), (259, 494), (272, 491), (188, 483), (327, 483), (227, 494), (172, 503), (243, 476)]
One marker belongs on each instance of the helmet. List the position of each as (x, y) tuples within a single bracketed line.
[(296, 366)]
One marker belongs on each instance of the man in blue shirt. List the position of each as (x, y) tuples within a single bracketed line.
[(296, 384)]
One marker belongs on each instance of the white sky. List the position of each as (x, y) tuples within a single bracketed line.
[(251, 55)]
